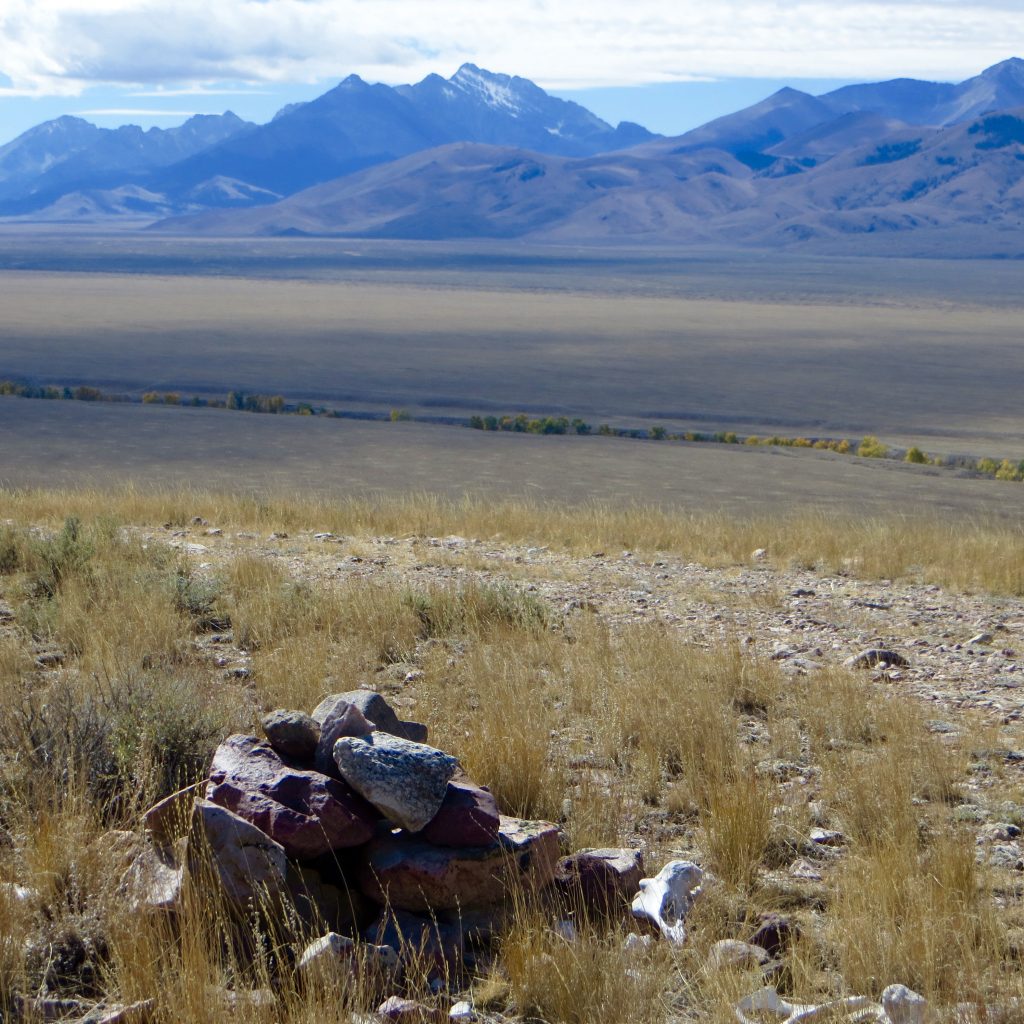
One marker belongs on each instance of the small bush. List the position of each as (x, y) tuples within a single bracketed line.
[(55, 559), (10, 551), (1008, 471), (871, 448), (916, 456)]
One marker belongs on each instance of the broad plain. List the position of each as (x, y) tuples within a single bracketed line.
[(924, 352)]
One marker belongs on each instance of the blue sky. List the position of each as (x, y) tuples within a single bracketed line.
[(670, 64)]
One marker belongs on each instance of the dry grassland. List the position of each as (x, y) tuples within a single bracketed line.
[(80, 444), (624, 729)]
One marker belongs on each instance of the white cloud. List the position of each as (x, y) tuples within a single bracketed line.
[(133, 112), (62, 46)]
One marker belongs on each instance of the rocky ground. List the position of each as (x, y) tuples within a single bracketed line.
[(953, 654), (963, 651)]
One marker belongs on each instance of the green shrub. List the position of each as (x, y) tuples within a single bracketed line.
[(10, 553), (54, 559), (916, 456)]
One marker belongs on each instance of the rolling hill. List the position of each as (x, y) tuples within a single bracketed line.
[(967, 178)]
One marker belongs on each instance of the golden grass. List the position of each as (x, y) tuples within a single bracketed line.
[(968, 555), (622, 733)]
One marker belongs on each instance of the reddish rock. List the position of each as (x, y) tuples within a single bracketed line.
[(337, 717), (775, 933), (468, 817), (306, 812), (407, 873), (606, 880), (319, 902)]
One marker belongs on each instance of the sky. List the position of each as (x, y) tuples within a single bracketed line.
[(669, 64)]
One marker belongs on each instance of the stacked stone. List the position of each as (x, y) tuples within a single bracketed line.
[(353, 818)]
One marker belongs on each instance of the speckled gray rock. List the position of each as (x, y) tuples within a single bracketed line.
[(377, 710), (293, 734), (405, 781), (340, 718)]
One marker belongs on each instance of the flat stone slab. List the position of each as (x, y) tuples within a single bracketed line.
[(407, 873), (407, 782), (305, 811)]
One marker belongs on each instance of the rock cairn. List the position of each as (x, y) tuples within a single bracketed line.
[(347, 818), (350, 818)]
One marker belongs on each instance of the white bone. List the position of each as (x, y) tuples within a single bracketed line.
[(666, 899)]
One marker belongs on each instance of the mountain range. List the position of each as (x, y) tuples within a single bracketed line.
[(902, 165)]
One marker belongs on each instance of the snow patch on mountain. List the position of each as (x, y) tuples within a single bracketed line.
[(497, 91)]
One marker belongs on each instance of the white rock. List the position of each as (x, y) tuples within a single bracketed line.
[(854, 1009), (759, 555), (666, 899), (330, 947), (804, 869), (18, 893), (903, 1006), (634, 943), (463, 1012)]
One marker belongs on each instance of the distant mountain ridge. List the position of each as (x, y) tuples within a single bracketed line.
[(70, 153), (352, 126), (487, 155)]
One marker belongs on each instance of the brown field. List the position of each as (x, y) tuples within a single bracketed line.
[(67, 444), (916, 352)]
